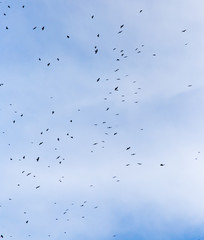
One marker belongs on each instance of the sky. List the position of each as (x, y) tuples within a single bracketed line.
[(107, 144)]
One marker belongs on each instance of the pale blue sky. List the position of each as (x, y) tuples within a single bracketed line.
[(98, 186)]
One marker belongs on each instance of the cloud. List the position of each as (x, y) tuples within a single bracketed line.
[(154, 112)]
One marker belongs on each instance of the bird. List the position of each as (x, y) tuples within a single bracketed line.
[(43, 28), (184, 30)]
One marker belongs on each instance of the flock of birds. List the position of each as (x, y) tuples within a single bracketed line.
[(110, 129)]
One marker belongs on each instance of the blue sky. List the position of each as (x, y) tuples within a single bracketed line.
[(91, 185)]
